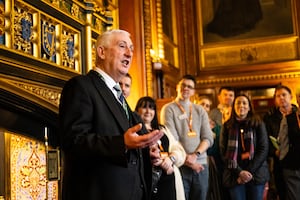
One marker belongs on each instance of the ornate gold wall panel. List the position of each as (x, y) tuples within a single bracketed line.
[(253, 53), (26, 166), (42, 36), (58, 35)]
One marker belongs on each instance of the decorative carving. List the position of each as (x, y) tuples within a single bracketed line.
[(28, 169), (55, 2), (75, 10), (33, 173), (50, 95), (229, 80), (49, 40), (1, 23), (98, 24), (248, 54), (23, 33), (68, 50), (94, 53), (263, 52), (103, 17), (71, 8)]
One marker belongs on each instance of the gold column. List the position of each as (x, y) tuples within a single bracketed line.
[(8, 18), (88, 41)]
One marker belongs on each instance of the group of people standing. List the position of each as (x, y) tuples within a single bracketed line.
[(112, 152), (283, 127), (262, 150)]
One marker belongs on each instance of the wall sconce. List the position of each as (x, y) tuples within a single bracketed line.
[(157, 65), (156, 60)]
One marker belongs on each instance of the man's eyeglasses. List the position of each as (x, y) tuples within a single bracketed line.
[(205, 105), (188, 86)]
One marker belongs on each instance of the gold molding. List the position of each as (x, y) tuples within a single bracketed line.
[(73, 9), (148, 45), (265, 77), (42, 94), (154, 44), (259, 52), (50, 95)]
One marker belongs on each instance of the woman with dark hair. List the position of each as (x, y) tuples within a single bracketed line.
[(166, 180), (244, 148)]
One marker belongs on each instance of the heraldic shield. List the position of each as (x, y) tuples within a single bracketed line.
[(49, 40)]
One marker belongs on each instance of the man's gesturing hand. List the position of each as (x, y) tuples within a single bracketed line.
[(132, 140)]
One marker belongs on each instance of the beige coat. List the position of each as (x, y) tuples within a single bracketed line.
[(176, 149)]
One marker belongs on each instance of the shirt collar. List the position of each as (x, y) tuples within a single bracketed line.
[(107, 79)]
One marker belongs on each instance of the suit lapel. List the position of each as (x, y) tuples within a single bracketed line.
[(110, 100)]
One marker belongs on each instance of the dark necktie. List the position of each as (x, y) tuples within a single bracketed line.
[(121, 98), (119, 93), (283, 138)]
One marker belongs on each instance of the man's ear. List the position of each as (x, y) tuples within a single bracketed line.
[(101, 52)]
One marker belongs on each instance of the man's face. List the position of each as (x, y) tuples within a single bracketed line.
[(116, 56), (125, 85), (226, 97), (185, 89), (283, 98)]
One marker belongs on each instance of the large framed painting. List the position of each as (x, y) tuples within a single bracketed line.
[(237, 32)]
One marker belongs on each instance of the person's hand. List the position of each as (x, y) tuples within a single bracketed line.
[(167, 165), (244, 177), (133, 140), (212, 123), (190, 159), (155, 155), (197, 167)]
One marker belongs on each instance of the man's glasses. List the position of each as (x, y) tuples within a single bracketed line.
[(205, 105), (188, 86)]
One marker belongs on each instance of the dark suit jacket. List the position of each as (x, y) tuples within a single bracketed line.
[(96, 164)]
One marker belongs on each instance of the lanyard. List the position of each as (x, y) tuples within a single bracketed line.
[(190, 119), (242, 139)]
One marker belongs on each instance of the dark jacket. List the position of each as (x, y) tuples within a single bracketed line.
[(272, 120), (291, 160), (96, 163), (258, 166)]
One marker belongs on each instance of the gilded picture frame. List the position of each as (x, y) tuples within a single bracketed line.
[(270, 34)]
